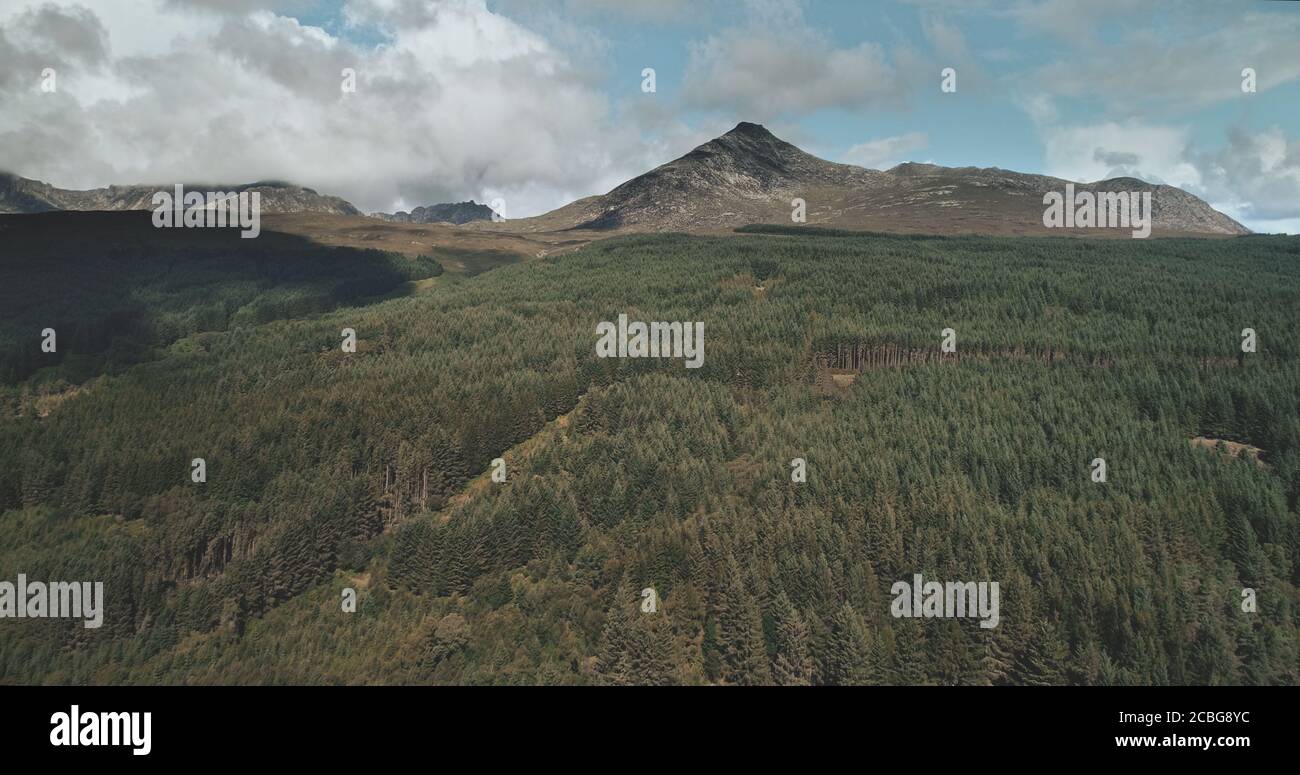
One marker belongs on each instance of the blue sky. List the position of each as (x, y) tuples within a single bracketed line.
[(540, 101)]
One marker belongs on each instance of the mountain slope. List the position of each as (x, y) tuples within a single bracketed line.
[(23, 195), (746, 176), (749, 175), (330, 470)]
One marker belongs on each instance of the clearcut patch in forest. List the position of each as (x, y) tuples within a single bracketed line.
[(1232, 449)]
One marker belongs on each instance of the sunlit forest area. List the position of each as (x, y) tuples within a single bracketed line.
[(329, 470)]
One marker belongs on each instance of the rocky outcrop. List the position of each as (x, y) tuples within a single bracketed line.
[(455, 212)]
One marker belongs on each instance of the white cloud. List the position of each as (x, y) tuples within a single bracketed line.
[(1257, 175), (1087, 153), (1153, 68), (637, 10), (1253, 177), (886, 152), (1072, 20), (460, 102), (776, 65), (945, 38)]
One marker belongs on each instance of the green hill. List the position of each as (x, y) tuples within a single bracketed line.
[(367, 470)]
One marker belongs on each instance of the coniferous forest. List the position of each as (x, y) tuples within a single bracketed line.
[(371, 471)]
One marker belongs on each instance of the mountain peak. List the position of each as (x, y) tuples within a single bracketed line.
[(752, 130), (750, 150), (750, 175)]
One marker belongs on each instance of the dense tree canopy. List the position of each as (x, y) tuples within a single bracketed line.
[(370, 470)]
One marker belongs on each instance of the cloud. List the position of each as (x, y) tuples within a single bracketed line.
[(951, 49), (1257, 174), (1115, 158), (1134, 58), (636, 10), (1072, 20), (1096, 152), (762, 74), (66, 34), (1154, 68), (238, 6), (885, 152), (776, 65), (1253, 177), (946, 38), (458, 102)]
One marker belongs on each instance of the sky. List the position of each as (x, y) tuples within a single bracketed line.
[(539, 102)]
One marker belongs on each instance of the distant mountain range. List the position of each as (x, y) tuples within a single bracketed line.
[(749, 175), (456, 212), (22, 195), (746, 176)]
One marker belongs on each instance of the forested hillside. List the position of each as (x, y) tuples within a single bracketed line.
[(114, 289), (329, 470)]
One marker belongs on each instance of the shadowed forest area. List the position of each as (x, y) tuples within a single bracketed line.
[(114, 289), (329, 470)]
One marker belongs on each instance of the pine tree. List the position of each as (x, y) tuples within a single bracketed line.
[(618, 639), (909, 667), (792, 665), (651, 657), (740, 631), (848, 650), (1042, 663)]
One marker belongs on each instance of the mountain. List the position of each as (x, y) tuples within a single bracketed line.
[(23, 195), (454, 212), (746, 176), (749, 175)]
